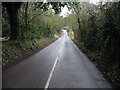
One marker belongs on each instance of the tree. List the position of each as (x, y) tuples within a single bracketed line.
[(26, 16), (12, 9)]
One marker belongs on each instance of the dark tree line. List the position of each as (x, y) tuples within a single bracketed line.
[(12, 10)]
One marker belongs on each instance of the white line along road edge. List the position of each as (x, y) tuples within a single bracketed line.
[(50, 76)]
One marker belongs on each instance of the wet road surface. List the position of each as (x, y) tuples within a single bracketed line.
[(60, 65)]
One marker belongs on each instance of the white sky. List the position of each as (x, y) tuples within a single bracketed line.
[(95, 1), (65, 12)]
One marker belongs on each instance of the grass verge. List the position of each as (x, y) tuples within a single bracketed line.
[(14, 52)]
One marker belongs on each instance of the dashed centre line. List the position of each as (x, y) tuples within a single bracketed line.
[(60, 49), (51, 73), (50, 76)]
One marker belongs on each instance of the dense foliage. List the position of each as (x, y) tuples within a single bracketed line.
[(28, 20)]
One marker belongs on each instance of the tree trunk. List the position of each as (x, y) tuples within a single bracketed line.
[(13, 20), (12, 9), (79, 23), (79, 26), (26, 17)]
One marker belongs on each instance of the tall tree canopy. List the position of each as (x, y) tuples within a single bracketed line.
[(13, 7)]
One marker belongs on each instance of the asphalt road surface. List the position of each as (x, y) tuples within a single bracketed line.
[(60, 65)]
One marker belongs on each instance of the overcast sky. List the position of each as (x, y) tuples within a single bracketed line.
[(65, 12)]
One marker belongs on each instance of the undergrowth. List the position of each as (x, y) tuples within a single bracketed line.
[(13, 50), (110, 71)]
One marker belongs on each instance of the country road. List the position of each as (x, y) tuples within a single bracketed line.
[(60, 65)]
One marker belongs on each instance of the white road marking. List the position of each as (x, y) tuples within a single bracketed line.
[(50, 76), (60, 49)]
